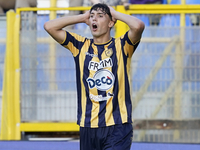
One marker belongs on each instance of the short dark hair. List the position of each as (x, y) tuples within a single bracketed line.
[(103, 7)]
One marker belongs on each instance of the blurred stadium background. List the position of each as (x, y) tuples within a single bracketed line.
[(37, 75)]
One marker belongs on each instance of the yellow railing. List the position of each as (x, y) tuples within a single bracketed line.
[(11, 126), (10, 122)]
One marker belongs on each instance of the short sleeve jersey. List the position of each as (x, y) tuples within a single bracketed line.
[(102, 77)]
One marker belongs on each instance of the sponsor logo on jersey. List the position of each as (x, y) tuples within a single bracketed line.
[(98, 98), (102, 80), (99, 65), (91, 55)]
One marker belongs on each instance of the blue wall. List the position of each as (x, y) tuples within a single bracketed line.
[(74, 145)]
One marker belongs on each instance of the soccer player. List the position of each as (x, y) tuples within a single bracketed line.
[(102, 75)]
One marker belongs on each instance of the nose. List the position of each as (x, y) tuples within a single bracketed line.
[(94, 17)]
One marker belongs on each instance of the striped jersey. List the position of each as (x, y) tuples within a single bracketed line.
[(102, 77)]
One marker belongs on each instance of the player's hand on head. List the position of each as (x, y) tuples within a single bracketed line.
[(87, 17)]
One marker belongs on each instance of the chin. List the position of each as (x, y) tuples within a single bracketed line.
[(95, 34)]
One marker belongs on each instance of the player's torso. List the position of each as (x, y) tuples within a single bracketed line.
[(102, 74)]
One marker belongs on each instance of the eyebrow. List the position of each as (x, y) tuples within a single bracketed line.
[(98, 13)]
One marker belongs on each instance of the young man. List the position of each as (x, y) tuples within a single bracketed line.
[(102, 74)]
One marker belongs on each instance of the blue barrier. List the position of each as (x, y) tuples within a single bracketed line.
[(74, 145), (192, 2)]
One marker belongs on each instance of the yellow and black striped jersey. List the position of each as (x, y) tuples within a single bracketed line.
[(102, 75)]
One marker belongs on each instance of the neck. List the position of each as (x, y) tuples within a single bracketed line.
[(100, 40), (103, 38)]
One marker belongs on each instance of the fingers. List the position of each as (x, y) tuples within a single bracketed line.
[(87, 16), (87, 13), (112, 11)]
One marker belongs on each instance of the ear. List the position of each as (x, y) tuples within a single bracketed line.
[(111, 24)]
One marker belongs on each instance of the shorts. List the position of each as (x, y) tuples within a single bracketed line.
[(116, 137)]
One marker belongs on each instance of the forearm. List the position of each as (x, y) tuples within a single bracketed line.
[(136, 26), (55, 27), (133, 22), (60, 23)]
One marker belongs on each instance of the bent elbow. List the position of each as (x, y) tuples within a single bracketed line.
[(46, 26), (141, 26), (137, 27)]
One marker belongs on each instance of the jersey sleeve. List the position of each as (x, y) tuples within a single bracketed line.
[(73, 42), (129, 47)]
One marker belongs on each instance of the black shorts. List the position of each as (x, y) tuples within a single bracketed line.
[(116, 137)]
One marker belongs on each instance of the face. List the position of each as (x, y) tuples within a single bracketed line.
[(100, 23)]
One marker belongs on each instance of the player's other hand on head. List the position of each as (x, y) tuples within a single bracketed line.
[(113, 11)]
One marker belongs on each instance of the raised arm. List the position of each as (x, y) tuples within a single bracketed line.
[(55, 27), (136, 26)]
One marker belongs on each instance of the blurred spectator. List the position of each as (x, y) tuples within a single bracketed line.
[(108, 2), (155, 18), (75, 3), (6, 5), (195, 18), (25, 3), (146, 1)]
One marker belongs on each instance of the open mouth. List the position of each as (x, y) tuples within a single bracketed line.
[(94, 26)]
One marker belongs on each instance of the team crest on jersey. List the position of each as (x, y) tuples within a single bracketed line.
[(102, 80), (109, 52)]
